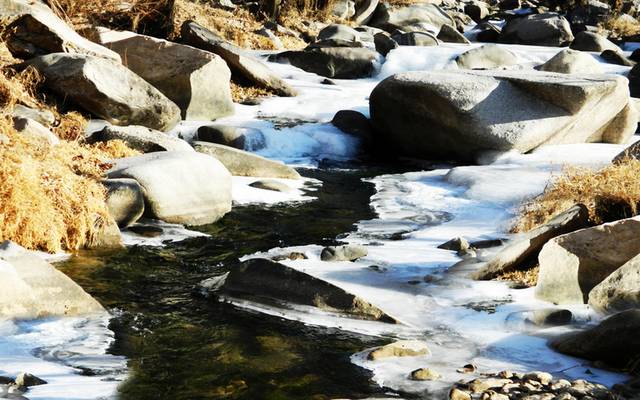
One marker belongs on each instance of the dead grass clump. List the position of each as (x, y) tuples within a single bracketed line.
[(240, 92), (527, 277), (113, 149), (621, 26), (610, 193)]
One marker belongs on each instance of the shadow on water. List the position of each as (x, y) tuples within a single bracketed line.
[(181, 346)]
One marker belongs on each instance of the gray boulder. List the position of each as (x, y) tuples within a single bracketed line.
[(35, 30), (573, 264), (242, 163), (242, 64), (457, 114), (384, 44), (390, 18), (108, 90), (591, 41), (614, 57), (415, 39), (449, 34), (332, 62), (477, 10), (354, 123), (265, 280), (240, 138), (197, 81), (528, 245), (619, 291), (572, 62), (349, 252), (34, 129), (125, 200), (179, 187), (364, 11), (488, 56), (140, 138), (539, 29), (33, 288)]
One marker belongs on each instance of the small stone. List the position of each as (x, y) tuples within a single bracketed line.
[(425, 374), (343, 253), (273, 186), (457, 394), (297, 256), (455, 244), (492, 395), (543, 377), (467, 369), (560, 384), (25, 379), (402, 348)]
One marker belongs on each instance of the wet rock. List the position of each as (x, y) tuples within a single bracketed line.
[(384, 43), (449, 34), (425, 374), (274, 186), (572, 62), (343, 253), (489, 56), (613, 57), (264, 280), (125, 200), (530, 243), (547, 29), (391, 18), (415, 39), (573, 264), (35, 130), (239, 62), (243, 163), (140, 138), (179, 187), (619, 291), (197, 81), (332, 62), (401, 348), (33, 288), (108, 90), (25, 379), (591, 41), (239, 138)]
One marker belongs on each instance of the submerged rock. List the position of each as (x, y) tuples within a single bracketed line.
[(265, 280), (401, 348), (347, 252), (332, 62)]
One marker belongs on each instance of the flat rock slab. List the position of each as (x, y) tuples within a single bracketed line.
[(107, 89)]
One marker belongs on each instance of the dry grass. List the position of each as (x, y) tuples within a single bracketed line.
[(610, 193), (621, 26), (527, 277), (241, 93)]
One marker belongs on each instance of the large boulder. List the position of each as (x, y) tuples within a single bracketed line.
[(488, 56), (337, 35), (384, 44), (539, 29), (232, 136), (572, 265), (572, 62), (614, 341), (449, 34), (33, 288), (35, 30), (528, 245), (179, 187), (332, 62), (125, 200), (140, 138), (457, 114), (591, 41), (265, 280), (196, 80), (243, 163), (364, 11), (427, 15), (108, 90), (242, 64), (415, 39), (620, 291)]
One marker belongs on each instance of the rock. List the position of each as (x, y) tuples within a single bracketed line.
[(632, 151), (33, 288), (550, 317), (336, 35), (547, 29), (34, 129), (108, 90), (384, 44), (591, 41), (125, 200), (401, 348), (467, 369), (635, 55), (509, 4), (529, 244), (634, 81), (260, 279), (572, 62), (459, 114), (573, 264), (197, 81), (457, 394), (391, 18), (415, 39), (43, 116), (36, 30), (364, 11), (140, 138), (487, 33), (239, 138), (25, 380), (246, 66), (343, 9), (179, 187), (614, 341), (613, 57), (488, 56), (242, 163), (332, 62), (455, 244), (354, 123), (425, 374), (619, 291), (274, 186), (589, 12), (348, 252), (449, 34), (478, 10)]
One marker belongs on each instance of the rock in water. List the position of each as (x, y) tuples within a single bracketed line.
[(240, 63), (140, 138), (179, 187), (572, 265), (425, 374), (401, 348), (458, 114), (25, 380), (620, 291), (274, 186), (125, 200), (614, 341), (347, 252), (332, 62), (197, 81), (265, 280), (108, 90), (548, 29), (33, 288), (243, 163)]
